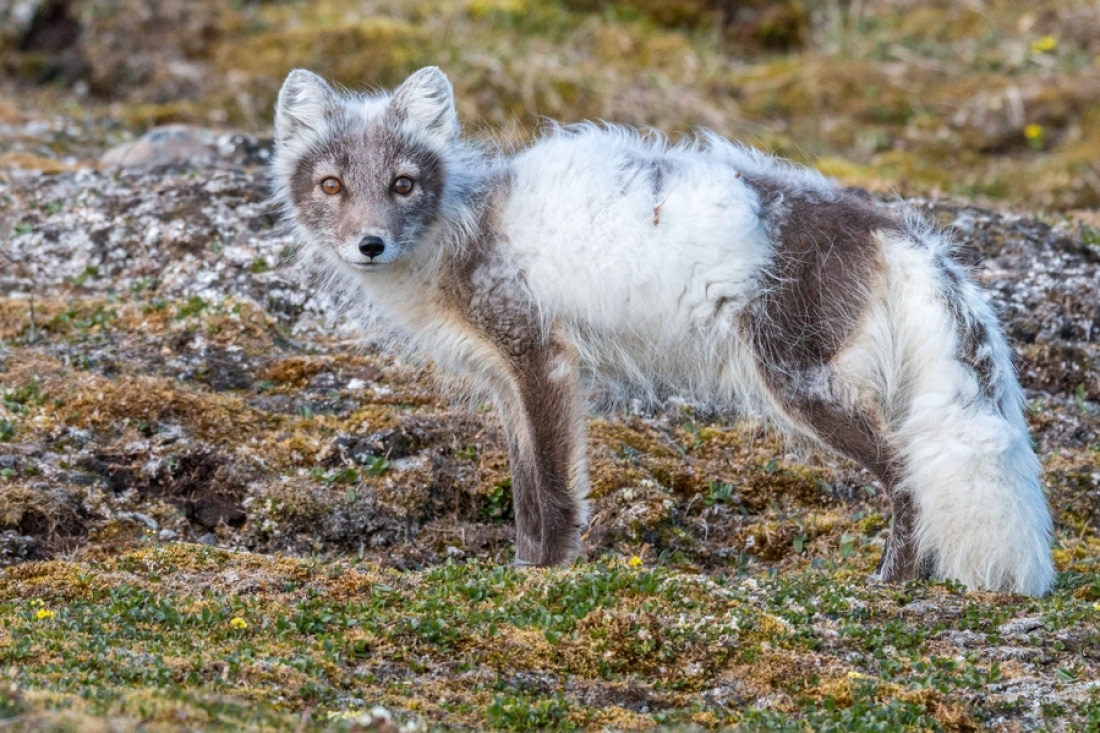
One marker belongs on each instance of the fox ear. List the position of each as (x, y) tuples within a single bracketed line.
[(303, 102), (427, 100)]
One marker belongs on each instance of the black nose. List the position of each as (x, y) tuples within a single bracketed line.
[(372, 246)]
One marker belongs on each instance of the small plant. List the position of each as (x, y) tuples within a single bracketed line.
[(498, 505), (510, 711), (720, 493), (377, 465), (848, 545), (1044, 44), (1035, 136), (139, 286), (193, 307), (1070, 673), (695, 430), (348, 475), (17, 400), (90, 271)]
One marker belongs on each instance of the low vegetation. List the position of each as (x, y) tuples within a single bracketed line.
[(222, 509)]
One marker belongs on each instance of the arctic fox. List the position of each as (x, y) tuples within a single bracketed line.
[(600, 255)]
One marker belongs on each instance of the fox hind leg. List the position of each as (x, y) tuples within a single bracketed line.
[(857, 432)]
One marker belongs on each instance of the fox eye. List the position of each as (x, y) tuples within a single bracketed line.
[(331, 186), (402, 186)]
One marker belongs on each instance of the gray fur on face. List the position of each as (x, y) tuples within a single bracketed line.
[(367, 160)]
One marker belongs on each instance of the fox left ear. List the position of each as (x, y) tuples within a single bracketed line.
[(427, 100), (302, 104)]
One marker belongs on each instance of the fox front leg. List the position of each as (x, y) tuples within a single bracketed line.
[(544, 426)]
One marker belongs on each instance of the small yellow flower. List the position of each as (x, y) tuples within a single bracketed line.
[(238, 623), (37, 603), (854, 675), (44, 613), (634, 562), (1096, 607), (1046, 44), (1036, 136)]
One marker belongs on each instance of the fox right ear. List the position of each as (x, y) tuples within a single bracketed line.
[(427, 100), (302, 104)]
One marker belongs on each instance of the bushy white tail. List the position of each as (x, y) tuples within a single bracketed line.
[(968, 465)]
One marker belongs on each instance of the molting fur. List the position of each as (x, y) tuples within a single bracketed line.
[(600, 257)]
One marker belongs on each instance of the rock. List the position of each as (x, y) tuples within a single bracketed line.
[(170, 145), (1019, 626), (154, 50), (16, 548)]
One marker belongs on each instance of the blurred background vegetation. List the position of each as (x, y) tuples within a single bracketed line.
[(987, 99)]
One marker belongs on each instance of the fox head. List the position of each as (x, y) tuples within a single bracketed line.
[(364, 176)]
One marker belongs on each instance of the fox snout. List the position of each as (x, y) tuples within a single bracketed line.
[(370, 252), (371, 246)]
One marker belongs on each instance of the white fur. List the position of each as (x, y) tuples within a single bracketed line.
[(596, 262)]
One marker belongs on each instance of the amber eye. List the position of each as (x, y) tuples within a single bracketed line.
[(403, 186), (331, 186)]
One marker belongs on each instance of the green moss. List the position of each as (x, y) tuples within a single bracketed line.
[(121, 640)]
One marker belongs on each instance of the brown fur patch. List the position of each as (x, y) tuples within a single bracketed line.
[(817, 286), (974, 349), (815, 295), (900, 561)]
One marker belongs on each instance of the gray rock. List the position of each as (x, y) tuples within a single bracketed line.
[(1019, 626), (170, 145)]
